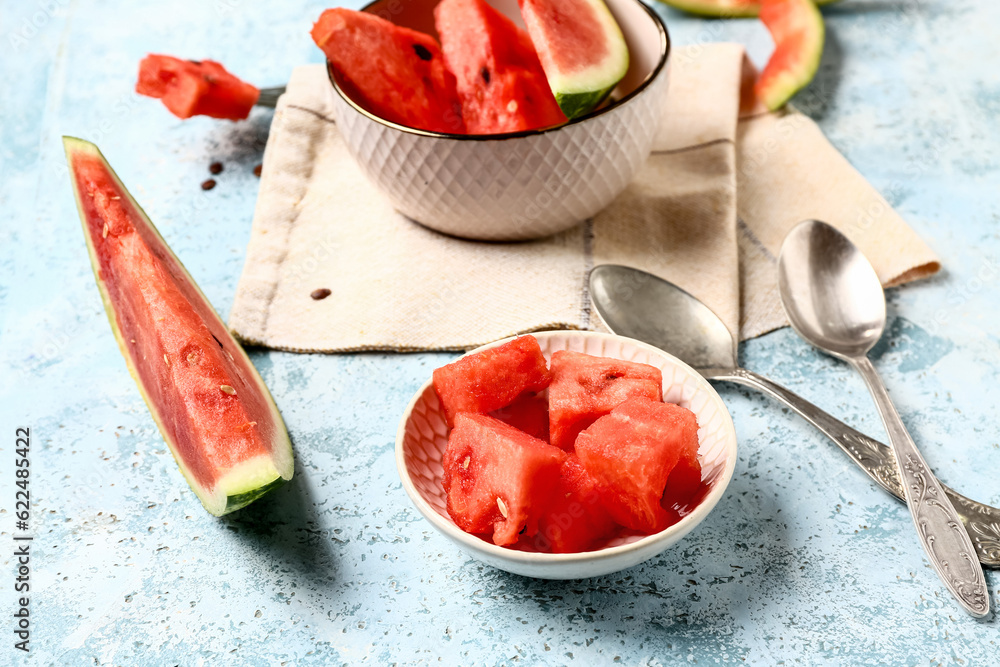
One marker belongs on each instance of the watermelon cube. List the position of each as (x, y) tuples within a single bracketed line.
[(195, 88), (529, 413), (631, 453), (498, 479), (575, 519), (396, 73), (585, 388), (499, 79), (491, 379)]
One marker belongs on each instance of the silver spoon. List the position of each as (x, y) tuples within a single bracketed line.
[(639, 305), (834, 300)]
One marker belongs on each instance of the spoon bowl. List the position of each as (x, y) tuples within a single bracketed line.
[(831, 293)]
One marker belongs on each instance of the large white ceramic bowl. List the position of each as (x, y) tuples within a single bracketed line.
[(520, 185), (423, 437)]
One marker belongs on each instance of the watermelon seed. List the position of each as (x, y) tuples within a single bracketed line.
[(503, 508), (104, 234), (422, 52), (165, 360), (465, 463), (229, 390), (192, 358), (218, 341), (485, 73), (116, 197), (512, 106)]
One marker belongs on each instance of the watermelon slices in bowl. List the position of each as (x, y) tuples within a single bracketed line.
[(422, 440)]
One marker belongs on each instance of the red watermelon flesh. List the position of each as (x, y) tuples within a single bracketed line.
[(491, 379), (498, 479), (195, 88), (210, 404), (576, 519), (396, 73), (499, 79), (585, 388), (631, 453), (529, 413), (683, 483)]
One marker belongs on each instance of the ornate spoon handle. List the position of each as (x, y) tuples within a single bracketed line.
[(939, 527), (876, 459)]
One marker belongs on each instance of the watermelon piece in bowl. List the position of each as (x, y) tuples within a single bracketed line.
[(631, 452), (195, 87), (497, 478), (499, 80), (576, 518), (394, 72), (210, 404), (492, 379), (585, 388), (422, 439)]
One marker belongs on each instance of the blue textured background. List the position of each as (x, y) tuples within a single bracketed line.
[(804, 560)]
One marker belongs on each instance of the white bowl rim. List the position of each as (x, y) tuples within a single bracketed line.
[(670, 534), (660, 66)]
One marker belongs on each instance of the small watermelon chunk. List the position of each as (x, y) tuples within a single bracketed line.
[(798, 32), (529, 413), (585, 388), (499, 80), (581, 48), (498, 479), (209, 402), (491, 379), (396, 73), (195, 87), (631, 453), (576, 519)]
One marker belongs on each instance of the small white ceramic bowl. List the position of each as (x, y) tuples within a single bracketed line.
[(520, 185), (423, 437)]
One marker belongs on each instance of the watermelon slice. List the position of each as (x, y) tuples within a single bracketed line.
[(585, 388), (683, 483), (491, 379), (195, 88), (499, 80), (498, 479), (581, 49), (529, 413), (631, 454), (729, 9), (396, 73), (210, 404), (576, 519), (798, 32)]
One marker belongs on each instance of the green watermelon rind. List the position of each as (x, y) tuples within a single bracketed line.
[(714, 9), (580, 92), (791, 81), (249, 480)]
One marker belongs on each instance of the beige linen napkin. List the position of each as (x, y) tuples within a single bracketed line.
[(708, 211)]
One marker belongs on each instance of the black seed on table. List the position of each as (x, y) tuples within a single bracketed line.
[(256, 170), (320, 294), (208, 185), (422, 52), (215, 167), (485, 73)]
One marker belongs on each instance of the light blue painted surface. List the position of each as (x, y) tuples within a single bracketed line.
[(804, 560)]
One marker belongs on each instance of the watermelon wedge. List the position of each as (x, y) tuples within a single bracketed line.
[(207, 399), (195, 88), (581, 48), (396, 73), (798, 32), (498, 77), (729, 9)]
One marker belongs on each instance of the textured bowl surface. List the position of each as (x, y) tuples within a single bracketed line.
[(423, 437), (517, 186)]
